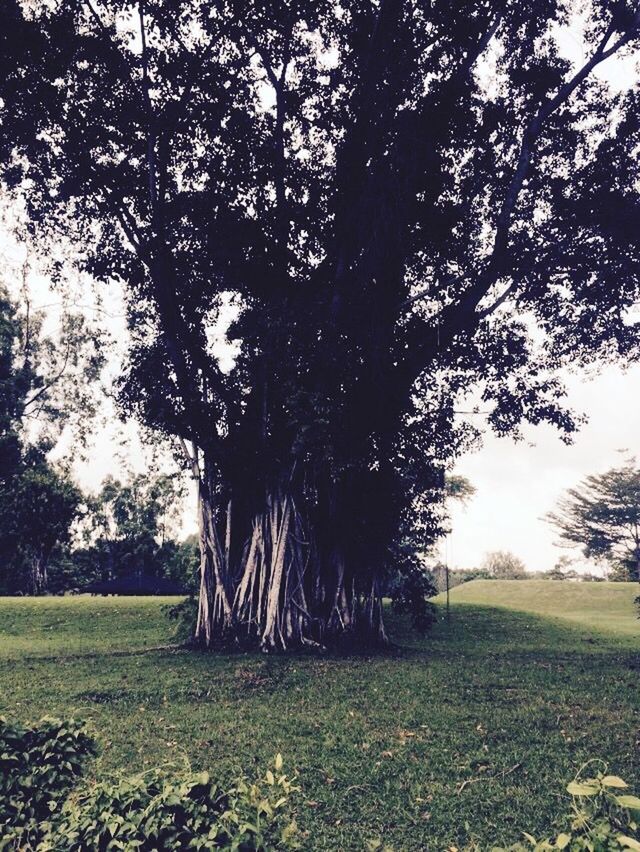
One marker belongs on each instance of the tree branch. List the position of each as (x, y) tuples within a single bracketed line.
[(43, 390), (151, 159), (463, 314)]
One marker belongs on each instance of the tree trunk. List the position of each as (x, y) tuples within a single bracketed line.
[(282, 585), (38, 574)]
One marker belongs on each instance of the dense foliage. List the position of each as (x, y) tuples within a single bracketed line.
[(379, 206), (602, 516), (410, 593), (130, 528), (153, 812), (604, 818), (39, 764)]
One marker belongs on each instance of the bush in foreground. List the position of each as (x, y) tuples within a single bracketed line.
[(39, 809), (151, 812), (604, 818), (38, 767)]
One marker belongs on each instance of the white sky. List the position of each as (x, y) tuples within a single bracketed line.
[(519, 482)]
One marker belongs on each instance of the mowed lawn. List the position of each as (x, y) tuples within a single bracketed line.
[(600, 606), (461, 739)]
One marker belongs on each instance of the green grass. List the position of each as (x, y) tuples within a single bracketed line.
[(461, 739), (601, 606)]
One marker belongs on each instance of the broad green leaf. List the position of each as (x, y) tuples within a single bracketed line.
[(613, 781), (580, 788), (628, 842), (629, 802)]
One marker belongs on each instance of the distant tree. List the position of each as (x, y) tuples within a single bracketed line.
[(38, 385), (38, 506), (503, 565), (130, 527), (602, 516), (562, 569)]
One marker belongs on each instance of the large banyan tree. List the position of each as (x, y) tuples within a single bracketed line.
[(378, 204)]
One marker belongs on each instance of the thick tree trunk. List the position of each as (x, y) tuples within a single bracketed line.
[(276, 585)]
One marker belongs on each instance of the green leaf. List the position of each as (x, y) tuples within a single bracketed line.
[(628, 842), (613, 781), (580, 788), (632, 802)]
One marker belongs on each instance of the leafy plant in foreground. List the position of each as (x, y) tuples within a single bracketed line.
[(39, 765), (151, 811), (604, 819), (40, 809)]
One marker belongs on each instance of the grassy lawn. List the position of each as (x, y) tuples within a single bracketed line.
[(460, 739), (600, 606)]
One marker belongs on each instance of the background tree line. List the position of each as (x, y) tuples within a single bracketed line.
[(52, 536)]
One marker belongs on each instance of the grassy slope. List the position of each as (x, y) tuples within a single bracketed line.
[(602, 606), (508, 702)]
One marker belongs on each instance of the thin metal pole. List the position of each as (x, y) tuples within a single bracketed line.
[(446, 574)]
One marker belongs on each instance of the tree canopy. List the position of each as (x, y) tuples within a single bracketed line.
[(380, 204), (602, 516)]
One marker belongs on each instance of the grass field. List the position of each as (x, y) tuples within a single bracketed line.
[(460, 739), (600, 606)]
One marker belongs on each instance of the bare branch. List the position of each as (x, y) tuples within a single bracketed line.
[(151, 158), (43, 390)]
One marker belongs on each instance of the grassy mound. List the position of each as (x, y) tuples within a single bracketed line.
[(600, 606)]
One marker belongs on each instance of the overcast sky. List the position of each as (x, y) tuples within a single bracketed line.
[(517, 483)]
